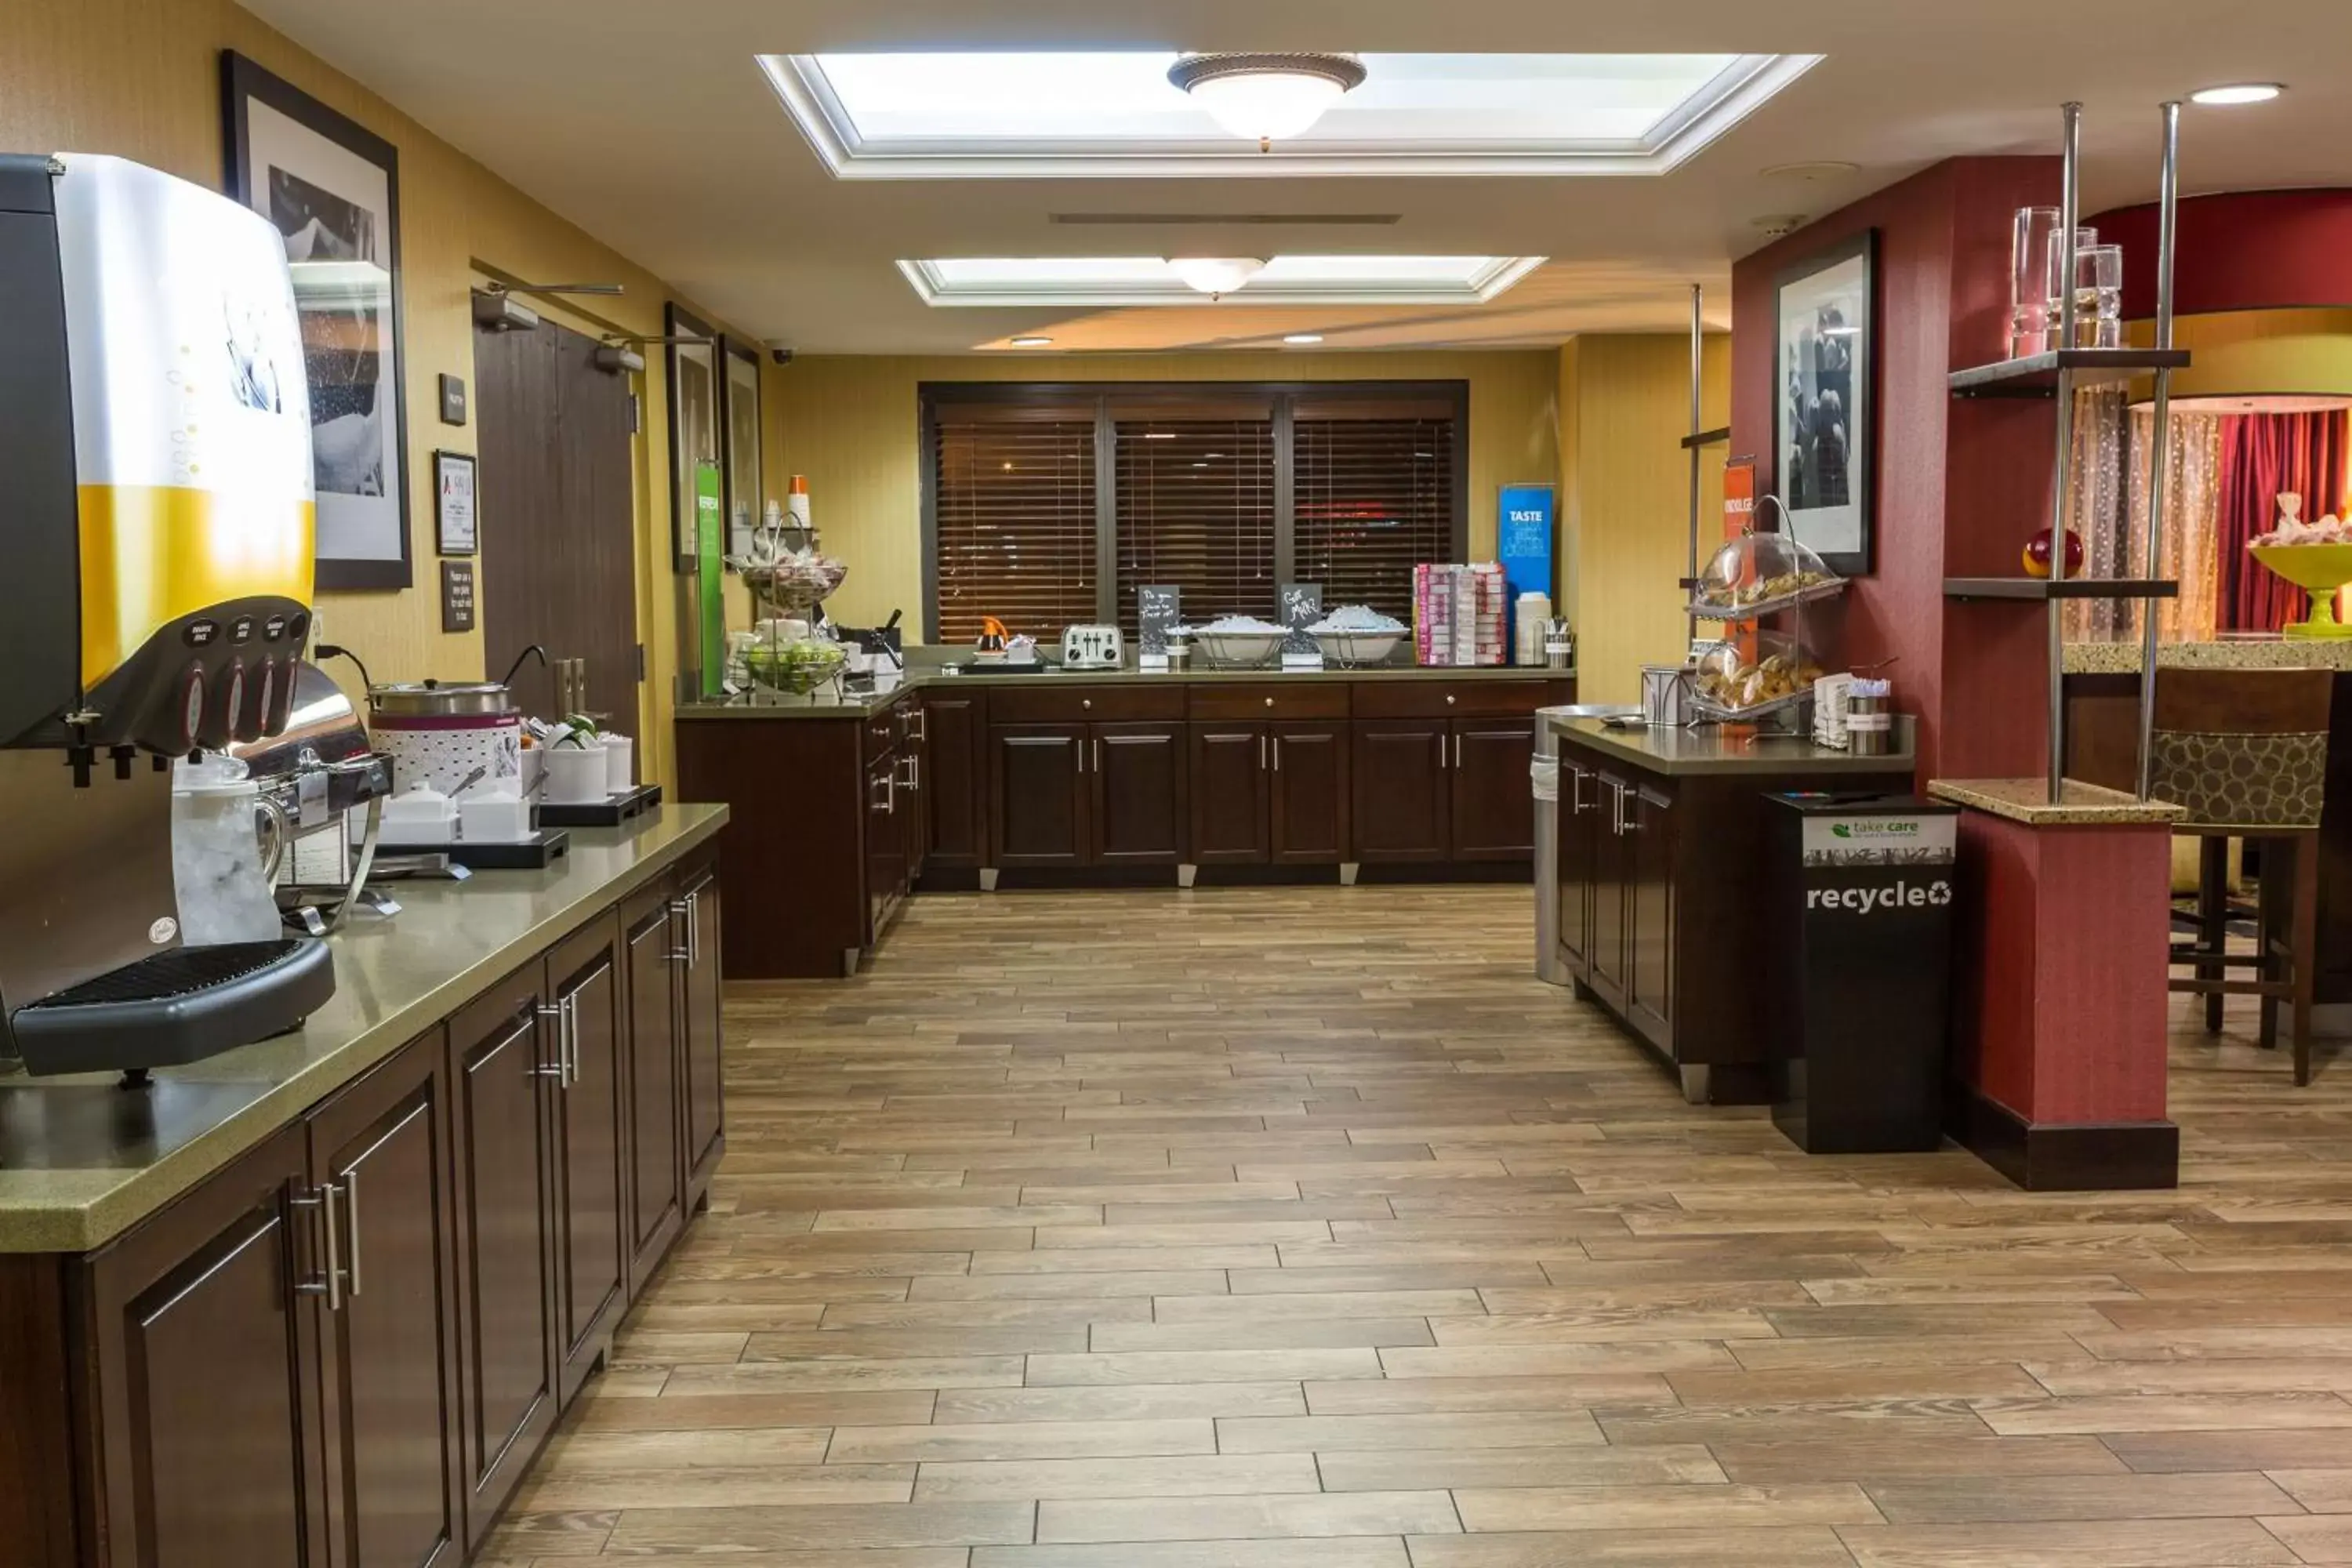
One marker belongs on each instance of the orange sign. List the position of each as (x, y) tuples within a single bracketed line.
[(1739, 497)]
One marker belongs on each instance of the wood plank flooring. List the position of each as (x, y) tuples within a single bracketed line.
[(1302, 1228)]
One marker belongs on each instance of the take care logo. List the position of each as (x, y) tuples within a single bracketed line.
[(1874, 827), (1879, 900)]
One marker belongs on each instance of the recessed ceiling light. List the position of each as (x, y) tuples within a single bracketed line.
[(1814, 169), (1302, 338), (2237, 92), (1031, 343), (1035, 282), (1267, 95)]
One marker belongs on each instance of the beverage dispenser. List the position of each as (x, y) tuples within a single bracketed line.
[(155, 576)]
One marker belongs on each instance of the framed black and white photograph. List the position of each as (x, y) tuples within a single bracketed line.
[(1826, 364), (694, 427), (743, 496), (331, 188), (453, 502)]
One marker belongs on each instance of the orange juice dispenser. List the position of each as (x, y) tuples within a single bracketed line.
[(155, 584)]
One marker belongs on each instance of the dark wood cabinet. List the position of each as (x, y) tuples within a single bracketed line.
[(955, 779), (588, 1108), (1494, 815), (1038, 780), (501, 1059), (657, 1113), (1403, 805), (1611, 873), (203, 1331), (886, 846), (1229, 770), (1308, 792), (344, 1348), (1135, 810), (1648, 827), (379, 1165), (699, 992)]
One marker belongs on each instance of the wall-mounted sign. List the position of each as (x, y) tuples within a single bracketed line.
[(457, 596), (1739, 497), (453, 400), (453, 502)]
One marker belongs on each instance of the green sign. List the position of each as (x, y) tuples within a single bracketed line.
[(710, 543)]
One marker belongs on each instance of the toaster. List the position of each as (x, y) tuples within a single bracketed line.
[(1092, 648)]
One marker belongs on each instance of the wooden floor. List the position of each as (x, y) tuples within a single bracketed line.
[(1302, 1228)]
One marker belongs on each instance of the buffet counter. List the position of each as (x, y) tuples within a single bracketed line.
[(1105, 778), (389, 1247), (1664, 879)]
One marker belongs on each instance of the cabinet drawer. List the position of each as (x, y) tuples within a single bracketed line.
[(1324, 699), (1420, 699), (1083, 704)]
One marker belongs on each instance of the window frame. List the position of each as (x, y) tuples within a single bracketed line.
[(1112, 399)]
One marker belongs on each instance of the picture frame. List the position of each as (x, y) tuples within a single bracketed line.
[(1825, 390), (455, 502), (695, 426), (741, 386), (331, 188)]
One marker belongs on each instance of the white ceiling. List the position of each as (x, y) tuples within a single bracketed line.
[(651, 126)]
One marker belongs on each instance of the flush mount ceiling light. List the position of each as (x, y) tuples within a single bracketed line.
[(1084, 281), (1031, 343), (1266, 96), (1215, 275), (1302, 339), (1104, 114), (2237, 92)]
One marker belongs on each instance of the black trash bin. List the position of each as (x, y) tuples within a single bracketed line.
[(1862, 905)]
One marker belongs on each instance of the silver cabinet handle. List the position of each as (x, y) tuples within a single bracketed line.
[(1098, 754), (1576, 777), (1631, 821), (921, 718), (571, 1039), (1277, 753), (1440, 748), (331, 1281), (1449, 700), (1261, 754), (1079, 746), (554, 1014), (352, 1217), (678, 910), (1457, 751), (907, 766), (693, 928)]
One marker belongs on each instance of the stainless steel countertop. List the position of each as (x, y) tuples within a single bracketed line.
[(864, 707), (1677, 752), (81, 1161)]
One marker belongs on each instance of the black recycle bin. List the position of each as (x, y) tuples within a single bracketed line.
[(1860, 987)]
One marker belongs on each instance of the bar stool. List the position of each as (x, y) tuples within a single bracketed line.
[(2245, 751)]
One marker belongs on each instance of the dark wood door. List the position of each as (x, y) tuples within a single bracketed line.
[(706, 1098), (1494, 799), (1580, 822), (656, 1174), (204, 1344), (380, 1155), (1307, 822), (1404, 809), (1229, 768), (503, 1066), (955, 777), (583, 977), (1649, 821), (558, 517), (1137, 813), (1038, 793), (1611, 879)]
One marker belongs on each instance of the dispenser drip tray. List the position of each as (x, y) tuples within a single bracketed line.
[(176, 1007)]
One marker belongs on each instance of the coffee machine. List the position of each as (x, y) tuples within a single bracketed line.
[(155, 578)]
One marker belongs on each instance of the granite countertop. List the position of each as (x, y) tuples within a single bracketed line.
[(2079, 805), (2232, 653), (81, 1159), (1680, 753), (863, 707)]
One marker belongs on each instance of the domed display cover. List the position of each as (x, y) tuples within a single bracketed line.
[(1728, 682), (1757, 573)]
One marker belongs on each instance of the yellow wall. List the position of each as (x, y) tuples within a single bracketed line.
[(1625, 406), (140, 79), (849, 423)]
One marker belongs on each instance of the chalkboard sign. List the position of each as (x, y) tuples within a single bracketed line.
[(1156, 609), (1302, 606)]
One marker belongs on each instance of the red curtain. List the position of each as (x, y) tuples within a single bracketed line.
[(2264, 456)]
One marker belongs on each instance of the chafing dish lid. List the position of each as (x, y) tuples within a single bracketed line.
[(440, 699)]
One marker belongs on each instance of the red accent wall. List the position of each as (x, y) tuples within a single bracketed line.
[(1960, 484), (2244, 250)]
